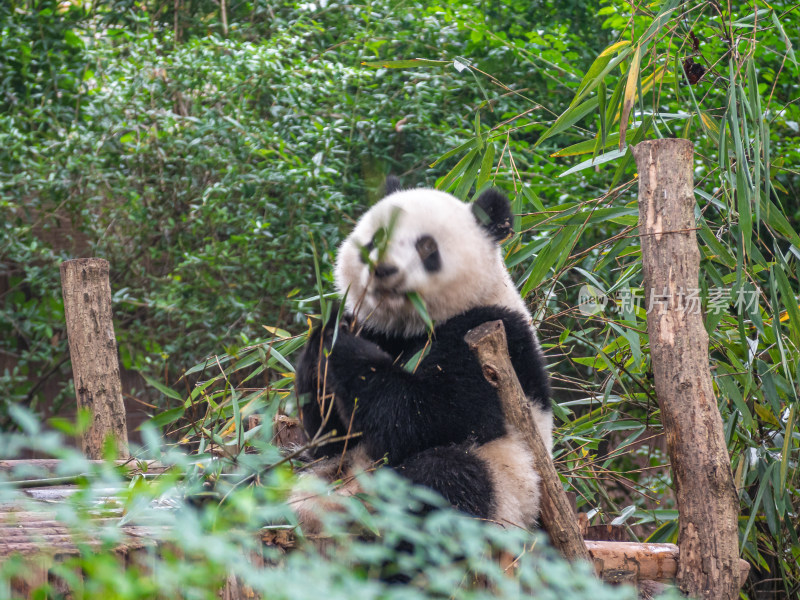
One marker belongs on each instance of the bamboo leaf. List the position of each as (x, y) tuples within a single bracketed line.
[(658, 23), (421, 308), (789, 48), (167, 417), (592, 162), (237, 415), (486, 100), (630, 93), (531, 197), (756, 504), (789, 301), (601, 95), (486, 166), (570, 116), (677, 72), (168, 392), (445, 182), (627, 512), (750, 18), (616, 97), (470, 173), (526, 252), (457, 150), (775, 218), (323, 304), (588, 146), (787, 445), (552, 256), (776, 326), (655, 77), (601, 62), (626, 160), (745, 214), (719, 251), (601, 67), (413, 362)]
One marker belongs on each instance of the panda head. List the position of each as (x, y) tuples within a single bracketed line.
[(431, 243)]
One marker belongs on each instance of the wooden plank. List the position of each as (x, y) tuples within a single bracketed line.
[(632, 561)]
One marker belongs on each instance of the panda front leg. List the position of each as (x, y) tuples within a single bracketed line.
[(314, 388), (385, 403), (399, 413)]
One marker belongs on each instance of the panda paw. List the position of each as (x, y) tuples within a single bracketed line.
[(350, 351)]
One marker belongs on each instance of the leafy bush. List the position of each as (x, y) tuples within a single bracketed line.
[(201, 170), (196, 540)]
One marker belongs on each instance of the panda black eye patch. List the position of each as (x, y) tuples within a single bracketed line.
[(428, 251), (366, 249)]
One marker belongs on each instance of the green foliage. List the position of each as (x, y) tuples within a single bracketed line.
[(200, 153), (196, 539), (197, 166), (742, 116), (729, 82)]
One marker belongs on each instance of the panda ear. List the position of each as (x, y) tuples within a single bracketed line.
[(493, 212), (391, 185)]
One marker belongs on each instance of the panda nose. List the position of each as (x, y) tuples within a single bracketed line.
[(382, 270)]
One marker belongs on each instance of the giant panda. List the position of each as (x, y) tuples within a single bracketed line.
[(429, 414)]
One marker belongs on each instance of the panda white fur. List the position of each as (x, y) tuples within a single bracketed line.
[(438, 422)]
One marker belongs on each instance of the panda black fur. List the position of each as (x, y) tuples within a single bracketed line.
[(439, 424)]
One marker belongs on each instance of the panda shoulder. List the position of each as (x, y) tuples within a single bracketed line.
[(513, 321)]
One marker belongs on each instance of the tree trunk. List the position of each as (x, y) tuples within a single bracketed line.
[(706, 497), (93, 350), (488, 342)]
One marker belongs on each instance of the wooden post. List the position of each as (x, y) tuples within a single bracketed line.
[(706, 497), (488, 342), (93, 350)]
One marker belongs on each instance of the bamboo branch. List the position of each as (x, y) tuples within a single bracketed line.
[(488, 342)]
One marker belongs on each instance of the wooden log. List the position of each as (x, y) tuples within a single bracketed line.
[(50, 467), (632, 561), (488, 342), (93, 350), (66, 544), (706, 498), (38, 572)]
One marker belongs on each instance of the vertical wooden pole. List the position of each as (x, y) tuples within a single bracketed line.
[(93, 350), (708, 507)]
